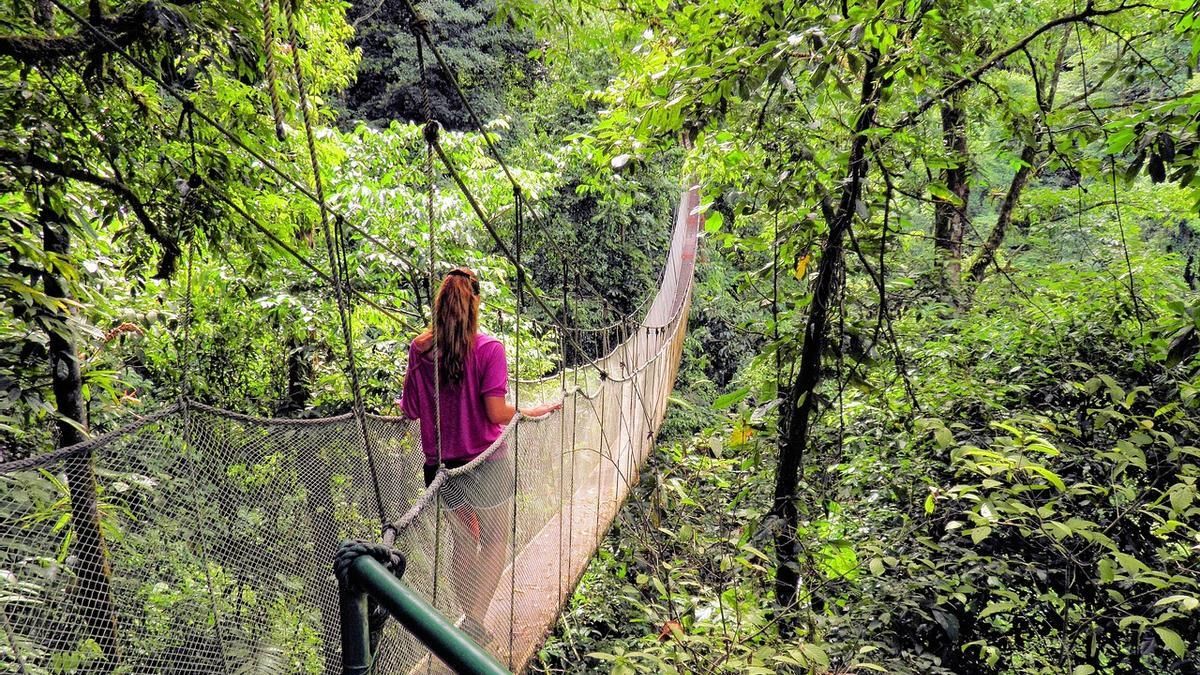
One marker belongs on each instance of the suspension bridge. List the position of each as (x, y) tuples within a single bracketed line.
[(217, 531)]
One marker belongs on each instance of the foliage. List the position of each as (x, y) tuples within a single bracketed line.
[(944, 396), (1000, 471), (487, 57)]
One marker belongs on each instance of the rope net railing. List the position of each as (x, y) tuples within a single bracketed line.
[(199, 540)]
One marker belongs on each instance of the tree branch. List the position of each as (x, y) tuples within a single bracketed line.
[(121, 190), (138, 23), (999, 57), (988, 253)]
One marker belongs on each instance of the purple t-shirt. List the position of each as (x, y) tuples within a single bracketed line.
[(466, 430)]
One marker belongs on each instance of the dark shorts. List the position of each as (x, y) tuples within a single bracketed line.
[(486, 486)]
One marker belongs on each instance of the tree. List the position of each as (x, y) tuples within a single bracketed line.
[(950, 210)]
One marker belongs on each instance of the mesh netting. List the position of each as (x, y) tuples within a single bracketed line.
[(201, 541)]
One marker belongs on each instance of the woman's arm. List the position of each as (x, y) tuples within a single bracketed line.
[(500, 411)]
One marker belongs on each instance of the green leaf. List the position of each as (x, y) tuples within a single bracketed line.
[(1181, 498), (1120, 140), (1051, 477), (943, 193), (1058, 530), (814, 655), (713, 223), (943, 437), (730, 399), (1172, 640), (1129, 563), (1108, 571), (1186, 602), (997, 608)]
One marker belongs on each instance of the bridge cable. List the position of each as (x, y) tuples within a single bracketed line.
[(340, 283), (519, 217), (435, 348), (270, 70), (184, 351)]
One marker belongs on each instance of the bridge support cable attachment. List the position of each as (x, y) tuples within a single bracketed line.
[(370, 590)]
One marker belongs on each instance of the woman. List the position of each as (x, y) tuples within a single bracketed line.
[(473, 411)]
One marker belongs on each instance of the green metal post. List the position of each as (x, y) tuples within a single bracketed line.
[(446, 641), (356, 634)]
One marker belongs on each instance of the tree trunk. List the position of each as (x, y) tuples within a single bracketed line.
[(797, 418), (950, 220), (43, 14), (299, 373), (1028, 154), (988, 253), (94, 590)]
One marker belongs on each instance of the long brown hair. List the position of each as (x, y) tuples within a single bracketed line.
[(455, 322)]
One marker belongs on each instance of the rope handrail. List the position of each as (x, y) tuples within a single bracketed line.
[(68, 451)]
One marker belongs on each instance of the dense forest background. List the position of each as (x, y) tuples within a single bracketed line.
[(937, 411)]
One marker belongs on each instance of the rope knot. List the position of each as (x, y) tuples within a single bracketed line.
[(350, 551), (431, 132)]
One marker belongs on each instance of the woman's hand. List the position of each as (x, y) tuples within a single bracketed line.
[(544, 409), (500, 411)]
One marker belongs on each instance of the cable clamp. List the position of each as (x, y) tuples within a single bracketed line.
[(393, 560), (431, 132)]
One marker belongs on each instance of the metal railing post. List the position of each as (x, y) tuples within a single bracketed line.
[(427, 624), (356, 634)]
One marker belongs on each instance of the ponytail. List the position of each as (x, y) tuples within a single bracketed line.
[(455, 322)]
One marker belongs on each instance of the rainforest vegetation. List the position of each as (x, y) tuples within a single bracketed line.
[(938, 405)]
